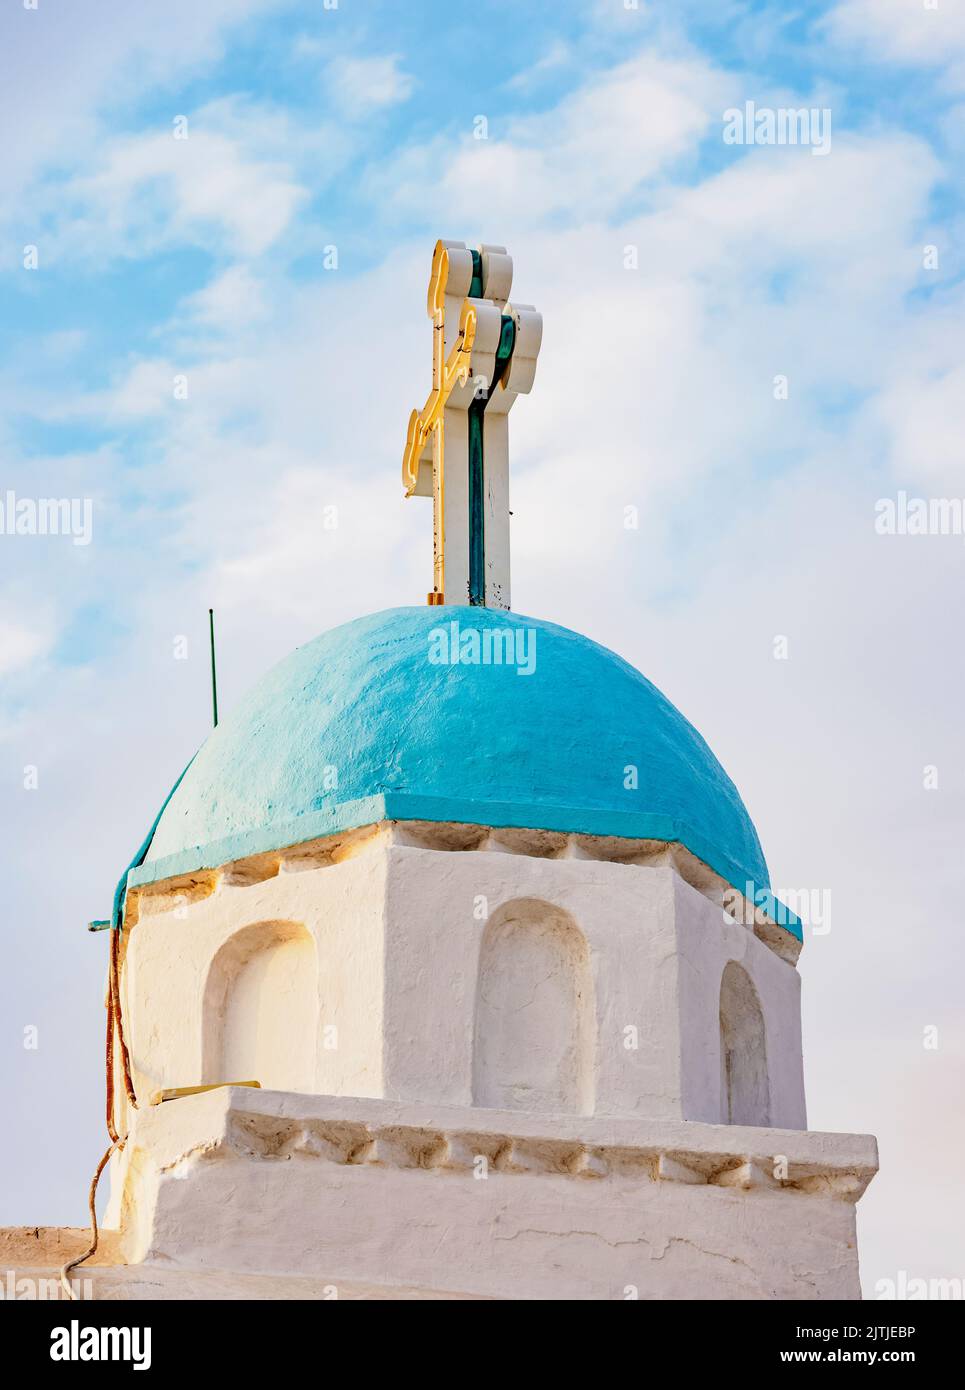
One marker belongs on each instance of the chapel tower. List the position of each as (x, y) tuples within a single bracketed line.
[(491, 927)]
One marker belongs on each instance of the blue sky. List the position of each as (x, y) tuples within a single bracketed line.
[(204, 258)]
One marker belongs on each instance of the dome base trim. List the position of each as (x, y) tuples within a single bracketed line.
[(407, 806)]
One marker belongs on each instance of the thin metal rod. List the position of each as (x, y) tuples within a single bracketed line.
[(438, 463), (214, 672)]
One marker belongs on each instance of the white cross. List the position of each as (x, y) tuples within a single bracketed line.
[(484, 354)]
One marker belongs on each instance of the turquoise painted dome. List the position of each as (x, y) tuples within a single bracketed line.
[(452, 714)]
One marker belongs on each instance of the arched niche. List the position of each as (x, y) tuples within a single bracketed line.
[(744, 1088), (535, 1027), (261, 1008)]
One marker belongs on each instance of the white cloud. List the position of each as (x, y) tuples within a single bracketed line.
[(924, 413), (232, 300), (146, 390), (64, 64), (557, 57), (582, 159), (902, 31), (22, 641), (153, 189), (229, 177), (361, 85), (64, 343)]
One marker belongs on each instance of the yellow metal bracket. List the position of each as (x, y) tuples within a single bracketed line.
[(447, 374), (176, 1092)]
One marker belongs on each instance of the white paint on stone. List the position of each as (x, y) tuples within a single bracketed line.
[(493, 1072), (535, 1028), (428, 1002), (744, 1086), (380, 1192), (259, 1008)]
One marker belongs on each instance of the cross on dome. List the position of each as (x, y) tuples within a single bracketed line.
[(484, 353)]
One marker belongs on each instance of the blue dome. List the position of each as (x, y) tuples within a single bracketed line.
[(380, 720)]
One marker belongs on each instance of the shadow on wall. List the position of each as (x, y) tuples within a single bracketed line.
[(535, 1030), (261, 1008), (744, 1089)]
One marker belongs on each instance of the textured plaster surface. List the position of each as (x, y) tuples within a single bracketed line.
[(491, 1203), (31, 1258), (488, 978), (443, 1017)]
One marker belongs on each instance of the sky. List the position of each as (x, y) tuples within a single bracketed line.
[(216, 224)]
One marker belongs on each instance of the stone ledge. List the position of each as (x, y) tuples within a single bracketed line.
[(158, 896), (118, 1282), (38, 1246), (270, 1126)]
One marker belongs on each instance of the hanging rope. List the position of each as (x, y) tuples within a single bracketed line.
[(114, 1013), (94, 1233), (115, 1034)]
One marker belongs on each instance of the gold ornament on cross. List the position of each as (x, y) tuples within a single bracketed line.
[(460, 436)]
